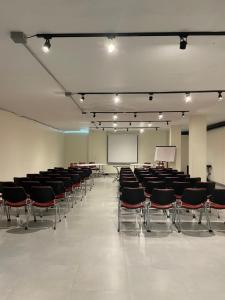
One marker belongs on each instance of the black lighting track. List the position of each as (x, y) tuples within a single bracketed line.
[(49, 35), (118, 128), (145, 92), (131, 121), (137, 112)]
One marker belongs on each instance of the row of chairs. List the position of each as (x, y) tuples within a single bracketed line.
[(170, 196), (48, 189)]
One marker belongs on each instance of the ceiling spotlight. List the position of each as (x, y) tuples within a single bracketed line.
[(183, 42), (156, 129), (46, 47), (100, 123), (111, 45), (115, 130), (142, 130), (150, 98), (94, 115), (220, 96), (82, 98), (127, 129), (116, 98), (103, 128), (160, 116), (130, 123), (187, 97), (149, 124), (115, 116), (167, 123), (183, 114), (114, 124), (135, 115)]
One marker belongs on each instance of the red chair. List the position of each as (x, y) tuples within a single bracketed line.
[(132, 199), (44, 197), (194, 199), (16, 197), (217, 200), (162, 199)]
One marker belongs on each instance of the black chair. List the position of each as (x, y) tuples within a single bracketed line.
[(44, 197), (59, 191), (16, 197), (151, 185), (19, 180), (169, 180), (179, 187), (149, 178), (131, 199), (194, 180), (194, 199), (163, 199), (27, 185), (217, 200), (209, 186)]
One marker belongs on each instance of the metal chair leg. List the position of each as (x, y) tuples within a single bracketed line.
[(119, 216), (207, 219), (200, 217), (148, 224)]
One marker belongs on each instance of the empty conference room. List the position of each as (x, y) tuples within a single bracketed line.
[(112, 165)]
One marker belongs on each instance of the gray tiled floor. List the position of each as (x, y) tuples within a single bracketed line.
[(85, 258)]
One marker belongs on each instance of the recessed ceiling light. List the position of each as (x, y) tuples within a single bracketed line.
[(149, 124), (142, 130), (114, 124)]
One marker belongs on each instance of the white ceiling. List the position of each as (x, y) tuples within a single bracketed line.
[(140, 64)]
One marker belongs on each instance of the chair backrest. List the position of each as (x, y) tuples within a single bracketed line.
[(151, 185), (133, 196), (209, 186), (66, 181), (180, 186), (27, 185), (42, 194), (194, 196), (6, 184), (58, 186), (19, 180), (218, 196), (14, 194), (163, 196), (149, 178), (133, 184), (194, 180)]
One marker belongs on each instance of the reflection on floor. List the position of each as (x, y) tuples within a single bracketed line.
[(85, 258)]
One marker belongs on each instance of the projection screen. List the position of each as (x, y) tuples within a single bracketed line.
[(122, 148)]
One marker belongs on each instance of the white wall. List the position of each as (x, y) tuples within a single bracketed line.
[(93, 146), (26, 147)]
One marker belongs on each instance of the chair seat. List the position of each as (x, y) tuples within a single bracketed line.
[(18, 204), (159, 206), (132, 206), (216, 205), (43, 204), (76, 185), (60, 196), (191, 206)]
